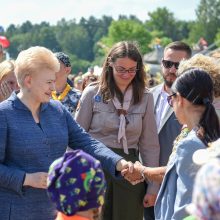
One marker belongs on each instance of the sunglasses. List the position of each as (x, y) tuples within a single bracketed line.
[(169, 99), (168, 64)]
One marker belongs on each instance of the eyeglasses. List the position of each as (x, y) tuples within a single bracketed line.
[(169, 99), (121, 69), (168, 64)]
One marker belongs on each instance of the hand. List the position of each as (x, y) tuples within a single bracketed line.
[(5, 90), (123, 164), (135, 177), (36, 180), (149, 200)]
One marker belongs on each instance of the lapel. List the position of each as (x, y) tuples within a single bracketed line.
[(156, 92), (166, 117)]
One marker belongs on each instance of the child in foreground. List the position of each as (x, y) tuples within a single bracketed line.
[(76, 185)]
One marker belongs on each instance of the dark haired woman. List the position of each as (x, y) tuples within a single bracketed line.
[(191, 98), (118, 111)]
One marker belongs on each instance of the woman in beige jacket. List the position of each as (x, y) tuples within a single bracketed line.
[(118, 111)]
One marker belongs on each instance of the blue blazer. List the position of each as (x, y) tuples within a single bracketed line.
[(26, 147), (176, 189)]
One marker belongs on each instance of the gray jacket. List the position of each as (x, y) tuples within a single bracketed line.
[(169, 128), (101, 120)]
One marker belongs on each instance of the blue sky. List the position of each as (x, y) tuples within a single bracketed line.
[(18, 11)]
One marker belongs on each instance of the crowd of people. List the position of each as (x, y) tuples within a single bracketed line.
[(109, 147)]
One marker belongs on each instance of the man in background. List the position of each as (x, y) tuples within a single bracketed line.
[(168, 126)]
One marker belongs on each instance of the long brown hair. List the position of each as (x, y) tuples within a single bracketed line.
[(107, 83)]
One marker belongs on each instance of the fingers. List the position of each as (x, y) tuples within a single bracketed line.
[(5, 90), (130, 166)]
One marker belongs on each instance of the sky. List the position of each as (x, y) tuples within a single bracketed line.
[(18, 11)]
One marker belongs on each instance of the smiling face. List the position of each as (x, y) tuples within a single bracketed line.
[(124, 71), (40, 85)]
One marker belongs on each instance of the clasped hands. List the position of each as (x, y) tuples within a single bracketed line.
[(133, 172)]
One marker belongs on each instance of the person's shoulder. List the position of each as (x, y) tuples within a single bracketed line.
[(6, 105), (146, 90), (191, 143), (92, 88), (55, 105), (75, 91), (155, 88)]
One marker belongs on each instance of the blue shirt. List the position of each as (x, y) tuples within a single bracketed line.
[(26, 147)]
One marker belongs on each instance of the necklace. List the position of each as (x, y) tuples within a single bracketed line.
[(63, 94), (184, 132)]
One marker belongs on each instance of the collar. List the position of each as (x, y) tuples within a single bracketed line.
[(61, 216), (17, 103)]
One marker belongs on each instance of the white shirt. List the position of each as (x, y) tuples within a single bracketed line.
[(161, 107)]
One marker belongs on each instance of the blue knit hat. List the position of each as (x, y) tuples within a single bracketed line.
[(76, 183), (63, 58)]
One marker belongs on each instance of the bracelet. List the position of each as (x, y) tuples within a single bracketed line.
[(142, 172)]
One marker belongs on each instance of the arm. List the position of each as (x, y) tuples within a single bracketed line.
[(80, 139), (10, 178), (150, 174), (149, 143), (84, 110)]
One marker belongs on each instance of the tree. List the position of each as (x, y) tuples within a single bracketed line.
[(128, 30), (162, 20), (207, 22)]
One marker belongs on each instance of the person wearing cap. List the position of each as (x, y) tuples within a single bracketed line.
[(65, 93), (76, 184), (34, 131), (206, 193)]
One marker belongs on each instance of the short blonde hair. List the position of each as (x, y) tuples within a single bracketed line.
[(33, 60), (6, 67), (208, 64)]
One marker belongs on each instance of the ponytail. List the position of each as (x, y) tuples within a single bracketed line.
[(210, 123)]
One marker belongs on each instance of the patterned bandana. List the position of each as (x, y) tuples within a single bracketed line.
[(76, 183), (63, 58)]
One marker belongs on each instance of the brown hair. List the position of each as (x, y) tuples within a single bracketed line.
[(107, 84), (179, 45)]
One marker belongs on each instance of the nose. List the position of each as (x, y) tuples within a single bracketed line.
[(52, 86)]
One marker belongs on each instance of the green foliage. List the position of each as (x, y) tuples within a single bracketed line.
[(208, 21), (88, 40), (217, 38), (128, 30)]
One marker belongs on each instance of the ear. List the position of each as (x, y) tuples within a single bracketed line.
[(27, 81), (181, 101), (68, 70)]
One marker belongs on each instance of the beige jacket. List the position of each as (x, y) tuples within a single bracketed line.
[(102, 122)]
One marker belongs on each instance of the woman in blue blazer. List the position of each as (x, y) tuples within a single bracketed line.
[(34, 131), (191, 99)]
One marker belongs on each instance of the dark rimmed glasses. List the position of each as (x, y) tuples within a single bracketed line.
[(169, 99), (168, 64), (121, 69)]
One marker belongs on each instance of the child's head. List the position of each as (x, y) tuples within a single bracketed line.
[(76, 183)]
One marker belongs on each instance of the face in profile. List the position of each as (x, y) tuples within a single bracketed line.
[(170, 63), (41, 85), (124, 71)]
